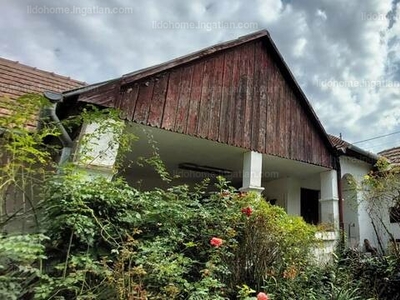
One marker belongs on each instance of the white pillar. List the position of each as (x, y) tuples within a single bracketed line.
[(252, 172), (97, 149), (329, 198)]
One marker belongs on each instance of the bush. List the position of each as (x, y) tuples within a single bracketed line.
[(377, 277), (108, 240), (20, 267)]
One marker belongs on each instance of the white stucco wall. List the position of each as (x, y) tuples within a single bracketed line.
[(276, 189), (311, 182), (350, 211), (287, 191), (356, 210), (293, 199)]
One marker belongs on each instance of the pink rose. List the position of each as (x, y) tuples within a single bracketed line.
[(216, 242), (262, 296)]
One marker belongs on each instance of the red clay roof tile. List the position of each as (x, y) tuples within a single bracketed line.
[(18, 79), (393, 155)]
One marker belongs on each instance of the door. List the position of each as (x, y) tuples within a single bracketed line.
[(309, 205)]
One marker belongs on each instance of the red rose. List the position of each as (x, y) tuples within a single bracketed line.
[(262, 296), (216, 242), (247, 211)]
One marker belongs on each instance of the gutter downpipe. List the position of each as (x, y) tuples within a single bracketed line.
[(340, 202), (65, 139)]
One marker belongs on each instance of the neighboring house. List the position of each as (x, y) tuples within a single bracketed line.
[(16, 80), (393, 155), (234, 109), (355, 163), (359, 221)]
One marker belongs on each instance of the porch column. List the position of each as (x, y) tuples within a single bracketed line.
[(252, 172), (97, 148), (329, 198)]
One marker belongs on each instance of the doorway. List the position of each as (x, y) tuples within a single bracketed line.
[(309, 205)]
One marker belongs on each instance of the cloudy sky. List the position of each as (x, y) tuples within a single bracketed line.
[(345, 54)]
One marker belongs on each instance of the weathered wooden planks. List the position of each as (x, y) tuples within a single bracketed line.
[(195, 98), (171, 101), (182, 110), (158, 100), (240, 96), (226, 96), (143, 101)]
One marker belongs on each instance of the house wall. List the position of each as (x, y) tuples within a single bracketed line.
[(350, 212), (276, 189), (287, 191), (354, 206)]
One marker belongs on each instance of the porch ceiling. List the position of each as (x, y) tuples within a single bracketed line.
[(175, 148)]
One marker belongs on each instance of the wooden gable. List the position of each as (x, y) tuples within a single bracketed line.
[(241, 95)]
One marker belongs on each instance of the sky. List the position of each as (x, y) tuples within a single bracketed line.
[(345, 54)]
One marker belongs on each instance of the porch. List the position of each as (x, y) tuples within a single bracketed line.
[(302, 189)]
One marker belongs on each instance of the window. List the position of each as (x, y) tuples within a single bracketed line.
[(394, 214)]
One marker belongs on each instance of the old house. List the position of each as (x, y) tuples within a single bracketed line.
[(233, 109)]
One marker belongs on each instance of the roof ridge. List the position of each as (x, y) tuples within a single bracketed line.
[(154, 69), (187, 58)]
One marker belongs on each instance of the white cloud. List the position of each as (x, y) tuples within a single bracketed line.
[(343, 42)]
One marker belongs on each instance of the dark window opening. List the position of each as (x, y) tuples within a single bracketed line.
[(309, 206), (394, 213)]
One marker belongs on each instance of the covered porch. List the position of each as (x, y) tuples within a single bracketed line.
[(302, 189)]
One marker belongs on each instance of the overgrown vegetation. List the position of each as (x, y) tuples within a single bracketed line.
[(381, 191), (102, 239)]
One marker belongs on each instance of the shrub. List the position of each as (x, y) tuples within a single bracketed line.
[(377, 276), (20, 264), (110, 240)]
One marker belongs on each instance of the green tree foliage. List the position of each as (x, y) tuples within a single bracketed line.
[(25, 158), (381, 191)]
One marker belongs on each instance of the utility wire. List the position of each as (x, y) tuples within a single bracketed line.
[(377, 137), (385, 144)]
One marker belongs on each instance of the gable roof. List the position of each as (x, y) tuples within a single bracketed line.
[(393, 155), (112, 93), (142, 73)]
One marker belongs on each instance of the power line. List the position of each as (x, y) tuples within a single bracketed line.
[(376, 143), (377, 137), (381, 144)]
